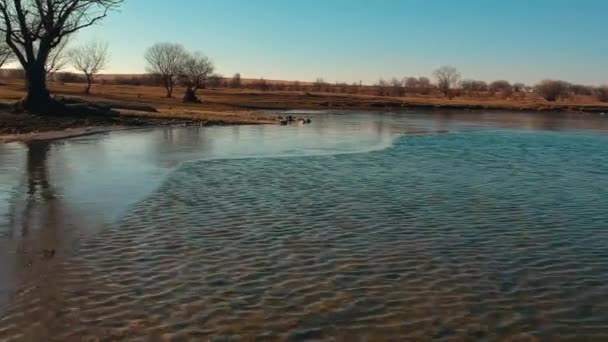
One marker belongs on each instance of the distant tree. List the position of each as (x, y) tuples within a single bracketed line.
[(342, 87), (215, 81), (552, 90), (500, 86), (473, 87), (579, 89), (601, 93), (167, 61), (411, 83), (447, 78), (6, 54), (235, 82), (261, 84), (89, 59), (68, 77), (424, 85), (381, 87), (319, 84), (519, 87), (34, 28), (397, 87), (195, 70)]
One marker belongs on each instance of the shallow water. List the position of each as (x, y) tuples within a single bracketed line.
[(361, 226)]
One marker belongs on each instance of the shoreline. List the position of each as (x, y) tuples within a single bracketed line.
[(63, 134), (134, 121), (80, 131), (25, 127), (143, 106)]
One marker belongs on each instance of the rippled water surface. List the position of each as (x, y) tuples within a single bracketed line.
[(362, 226)]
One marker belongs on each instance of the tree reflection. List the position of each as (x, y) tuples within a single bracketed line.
[(37, 171)]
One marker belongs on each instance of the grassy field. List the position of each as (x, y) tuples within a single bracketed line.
[(242, 106)]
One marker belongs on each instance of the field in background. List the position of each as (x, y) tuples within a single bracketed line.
[(222, 101), (243, 105)]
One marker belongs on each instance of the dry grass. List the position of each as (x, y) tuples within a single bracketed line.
[(235, 102), (241, 106)]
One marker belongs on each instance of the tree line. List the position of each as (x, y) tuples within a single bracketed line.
[(35, 34)]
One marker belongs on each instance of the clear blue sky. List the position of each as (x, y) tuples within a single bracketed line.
[(352, 40)]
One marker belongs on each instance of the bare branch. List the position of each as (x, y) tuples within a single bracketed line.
[(89, 59), (167, 61), (447, 78)]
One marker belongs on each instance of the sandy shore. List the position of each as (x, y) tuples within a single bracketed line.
[(66, 133)]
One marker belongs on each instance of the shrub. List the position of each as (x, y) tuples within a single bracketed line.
[(552, 90)]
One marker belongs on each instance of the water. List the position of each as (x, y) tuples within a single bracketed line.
[(362, 226)]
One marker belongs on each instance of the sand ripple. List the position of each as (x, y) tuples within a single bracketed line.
[(448, 237)]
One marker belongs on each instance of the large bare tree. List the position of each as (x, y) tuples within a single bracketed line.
[(89, 59), (6, 54), (447, 78), (33, 28), (196, 69), (166, 60), (57, 60)]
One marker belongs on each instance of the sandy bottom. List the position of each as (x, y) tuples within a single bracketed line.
[(398, 244)]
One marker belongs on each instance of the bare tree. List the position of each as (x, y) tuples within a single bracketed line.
[(319, 84), (424, 85), (261, 84), (473, 87), (33, 28), (397, 87), (235, 82), (58, 59), (215, 81), (447, 78), (6, 54), (579, 89), (519, 87), (601, 93), (381, 87), (552, 90), (167, 61), (89, 59), (501, 86), (411, 83), (196, 68)]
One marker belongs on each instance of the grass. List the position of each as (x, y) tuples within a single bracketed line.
[(241, 106)]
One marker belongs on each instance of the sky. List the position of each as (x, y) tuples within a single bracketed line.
[(365, 40)]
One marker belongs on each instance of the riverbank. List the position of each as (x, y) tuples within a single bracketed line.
[(240, 106)]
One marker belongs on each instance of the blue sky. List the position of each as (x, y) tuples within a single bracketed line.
[(352, 40)]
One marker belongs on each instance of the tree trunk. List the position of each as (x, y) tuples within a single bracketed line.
[(87, 90), (190, 95), (169, 87), (38, 98)]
